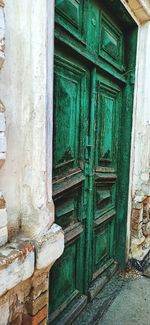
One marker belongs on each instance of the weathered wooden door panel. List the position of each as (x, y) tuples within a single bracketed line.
[(90, 80), (109, 105), (111, 45), (70, 127), (71, 15), (67, 275), (70, 85), (103, 245), (106, 106)]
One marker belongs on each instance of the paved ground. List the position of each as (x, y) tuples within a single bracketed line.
[(131, 306), (124, 301)]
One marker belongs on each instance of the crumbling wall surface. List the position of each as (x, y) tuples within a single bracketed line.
[(26, 303), (30, 242), (140, 229), (24, 179), (3, 211), (24, 273), (140, 152)]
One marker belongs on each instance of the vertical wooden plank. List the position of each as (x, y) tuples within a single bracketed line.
[(90, 150), (124, 150)]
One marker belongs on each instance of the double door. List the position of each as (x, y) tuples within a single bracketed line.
[(88, 106)]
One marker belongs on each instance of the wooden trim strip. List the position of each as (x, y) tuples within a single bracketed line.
[(73, 232), (105, 178), (105, 218), (72, 183)]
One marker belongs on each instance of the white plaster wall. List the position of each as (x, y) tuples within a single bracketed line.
[(2, 108), (50, 68), (140, 162), (2, 36), (23, 87), (139, 185)]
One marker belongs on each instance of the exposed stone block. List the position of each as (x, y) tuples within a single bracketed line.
[(137, 249), (17, 320), (16, 272), (28, 303), (137, 205), (136, 223), (146, 229), (37, 289), (4, 313), (137, 216), (50, 247), (20, 308), (139, 198), (34, 306), (16, 264), (3, 221), (2, 201), (44, 322), (1, 3), (39, 278), (147, 200), (35, 320), (140, 227)]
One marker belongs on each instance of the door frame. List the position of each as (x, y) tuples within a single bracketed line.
[(126, 205)]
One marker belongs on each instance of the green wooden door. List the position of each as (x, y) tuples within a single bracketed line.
[(94, 67)]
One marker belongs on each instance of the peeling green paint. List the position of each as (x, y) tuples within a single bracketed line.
[(94, 68)]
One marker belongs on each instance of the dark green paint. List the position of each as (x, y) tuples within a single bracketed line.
[(94, 69), (124, 147)]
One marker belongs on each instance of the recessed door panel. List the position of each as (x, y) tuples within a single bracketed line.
[(103, 242), (65, 282), (108, 113), (107, 119), (111, 44), (68, 99), (70, 112), (104, 198), (70, 14)]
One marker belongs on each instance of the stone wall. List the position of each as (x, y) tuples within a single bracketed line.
[(3, 221), (26, 303), (140, 229)]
